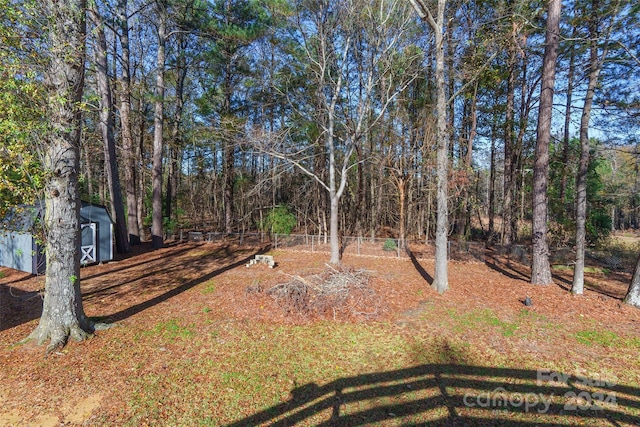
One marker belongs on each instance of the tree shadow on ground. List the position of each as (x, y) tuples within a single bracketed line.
[(513, 274), (452, 394), (173, 291), (18, 306), (142, 249), (517, 271), (419, 268), (567, 285), (156, 267)]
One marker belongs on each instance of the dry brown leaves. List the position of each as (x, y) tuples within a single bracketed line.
[(199, 282)]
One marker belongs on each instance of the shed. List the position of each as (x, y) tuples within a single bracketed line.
[(19, 247)]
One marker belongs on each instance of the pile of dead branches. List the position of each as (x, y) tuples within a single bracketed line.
[(334, 292)]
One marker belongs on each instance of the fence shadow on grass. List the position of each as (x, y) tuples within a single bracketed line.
[(456, 395)]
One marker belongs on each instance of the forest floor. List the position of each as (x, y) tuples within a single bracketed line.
[(199, 341)]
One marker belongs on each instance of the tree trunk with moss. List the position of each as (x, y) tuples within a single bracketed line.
[(62, 314)]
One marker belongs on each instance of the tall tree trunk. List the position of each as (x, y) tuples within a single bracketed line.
[(158, 123), (229, 150), (509, 166), (541, 269), (525, 108), (401, 183), (128, 152), (441, 274), (229, 179), (335, 190), (595, 65), (567, 123), (450, 87), (141, 175), (88, 166), (174, 156), (464, 222), (492, 184), (334, 198), (62, 313), (171, 171), (107, 126)]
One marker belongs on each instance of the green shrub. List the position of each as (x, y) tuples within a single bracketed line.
[(598, 227), (280, 220), (390, 245)]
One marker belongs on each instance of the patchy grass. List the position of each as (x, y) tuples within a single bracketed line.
[(481, 319), (587, 269), (209, 287), (562, 267), (250, 369), (171, 330), (599, 337), (605, 338), (633, 343)]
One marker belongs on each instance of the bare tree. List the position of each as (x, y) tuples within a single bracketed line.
[(437, 24), (347, 107), (567, 120), (596, 62)]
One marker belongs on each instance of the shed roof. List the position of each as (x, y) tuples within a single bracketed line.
[(24, 218)]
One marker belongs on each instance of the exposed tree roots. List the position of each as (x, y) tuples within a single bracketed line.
[(59, 335)]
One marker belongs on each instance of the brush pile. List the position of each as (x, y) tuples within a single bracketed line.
[(334, 292)]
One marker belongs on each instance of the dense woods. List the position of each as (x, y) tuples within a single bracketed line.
[(223, 110), (359, 118)]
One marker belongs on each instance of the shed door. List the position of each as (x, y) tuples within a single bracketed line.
[(88, 245)]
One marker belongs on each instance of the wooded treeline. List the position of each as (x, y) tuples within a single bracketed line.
[(439, 119), (254, 89), (261, 97), (210, 114)]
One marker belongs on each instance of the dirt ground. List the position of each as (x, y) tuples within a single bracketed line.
[(184, 279)]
